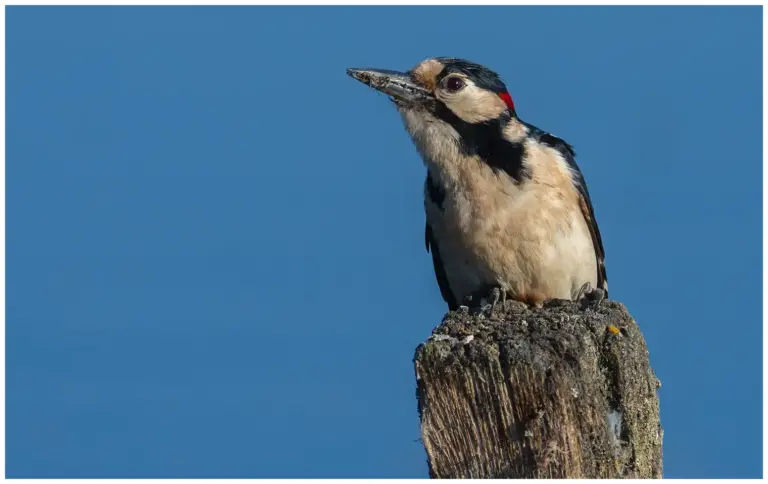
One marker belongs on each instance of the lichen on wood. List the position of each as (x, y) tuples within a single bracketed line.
[(561, 391)]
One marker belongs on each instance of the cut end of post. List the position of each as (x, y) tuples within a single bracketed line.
[(556, 392)]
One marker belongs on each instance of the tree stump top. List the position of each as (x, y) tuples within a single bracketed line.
[(561, 391)]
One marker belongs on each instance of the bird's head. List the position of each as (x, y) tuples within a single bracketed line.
[(443, 88)]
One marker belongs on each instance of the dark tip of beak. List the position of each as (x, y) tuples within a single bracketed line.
[(398, 85), (360, 74), (373, 77)]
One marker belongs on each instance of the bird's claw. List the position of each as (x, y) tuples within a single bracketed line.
[(597, 295), (585, 289), (588, 294), (498, 294), (475, 302)]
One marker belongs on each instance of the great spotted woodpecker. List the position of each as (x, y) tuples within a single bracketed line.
[(508, 213)]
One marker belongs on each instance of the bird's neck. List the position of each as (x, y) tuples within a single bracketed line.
[(447, 143)]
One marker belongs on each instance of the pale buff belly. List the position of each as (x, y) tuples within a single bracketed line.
[(536, 249)]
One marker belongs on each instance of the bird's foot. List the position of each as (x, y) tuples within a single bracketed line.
[(472, 303), (597, 296), (498, 294), (483, 303), (585, 289), (588, 295)]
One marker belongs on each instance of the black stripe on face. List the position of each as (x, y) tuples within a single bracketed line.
[(487, 141), (482, 77)]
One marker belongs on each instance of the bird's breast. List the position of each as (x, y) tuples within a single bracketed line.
[(528, 237)]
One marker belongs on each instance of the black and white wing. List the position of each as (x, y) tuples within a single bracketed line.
[(585, 202), (433, 195)]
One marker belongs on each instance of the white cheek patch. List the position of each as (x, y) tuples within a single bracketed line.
[(472, 104)]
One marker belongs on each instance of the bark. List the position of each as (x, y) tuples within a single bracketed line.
[(561, 391)]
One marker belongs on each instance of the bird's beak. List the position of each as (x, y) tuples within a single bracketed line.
[(398, 85)]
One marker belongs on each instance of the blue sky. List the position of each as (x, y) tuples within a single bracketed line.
[(215, 258)]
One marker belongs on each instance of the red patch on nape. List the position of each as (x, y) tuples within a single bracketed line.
[(507, 100)]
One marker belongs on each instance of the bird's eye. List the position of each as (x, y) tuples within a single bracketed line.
[(454, 84)]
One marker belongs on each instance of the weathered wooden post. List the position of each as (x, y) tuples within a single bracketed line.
[(558, 392)]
